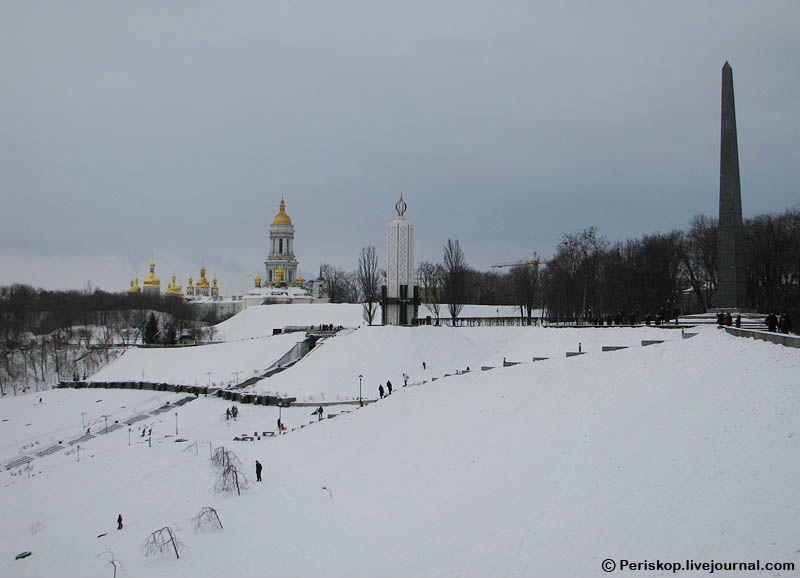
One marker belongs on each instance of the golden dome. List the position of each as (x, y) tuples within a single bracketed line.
[(202, 282), (190, 286), (282, 218), (174, 288), (257, 281), (152, 280)]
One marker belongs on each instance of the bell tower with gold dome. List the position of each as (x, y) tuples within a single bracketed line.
[(281, 250)]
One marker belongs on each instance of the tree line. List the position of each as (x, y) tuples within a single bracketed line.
[(591, 278)]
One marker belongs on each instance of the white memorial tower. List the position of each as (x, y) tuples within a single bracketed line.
[(400, 300)]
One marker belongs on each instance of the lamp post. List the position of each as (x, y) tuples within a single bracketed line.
[(176, 423), (129, 436), (105, 417), (360, 401), (236, 375), (208, 373)]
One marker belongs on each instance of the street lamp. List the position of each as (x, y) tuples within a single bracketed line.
[(105, 417), (208, 373), (236, 374), (176, 423), (360, 401)]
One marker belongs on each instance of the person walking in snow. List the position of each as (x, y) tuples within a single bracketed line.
[(319, 413), (227, 413), (423, 366), (258, 471), (380, 390), (405, 379), (119, 522), (389, 386)]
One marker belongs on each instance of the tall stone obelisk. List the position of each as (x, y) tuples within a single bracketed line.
[(731, 285), (399, 298)]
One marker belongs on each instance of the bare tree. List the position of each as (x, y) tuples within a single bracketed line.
[(231, 477), (334, 282), (113, 562), (430, 277), (525, 284), (207, 519), (161, 541), (455, 278), (368, 280), (698, 253)]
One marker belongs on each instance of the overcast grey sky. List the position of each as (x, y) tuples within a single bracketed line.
[(131, 129)]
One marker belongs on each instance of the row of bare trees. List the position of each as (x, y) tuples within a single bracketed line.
[(591, 278)]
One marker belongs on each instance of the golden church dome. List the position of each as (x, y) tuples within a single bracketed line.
[(174, 288), (282, 218), (202, 282), (152, 280)]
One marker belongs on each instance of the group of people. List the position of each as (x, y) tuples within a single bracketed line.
[(726, 319), (382, 391), (329, 327), (388, 391), (232, 412), (773, 323)]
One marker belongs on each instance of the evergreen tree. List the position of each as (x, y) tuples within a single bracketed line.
[(151, 329)]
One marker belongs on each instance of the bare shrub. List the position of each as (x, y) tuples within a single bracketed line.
[(161, 541), (207, 519)]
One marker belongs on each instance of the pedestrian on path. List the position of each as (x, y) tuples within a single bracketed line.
[(380, 391), (258, 471), (389, 386), (119, 522)]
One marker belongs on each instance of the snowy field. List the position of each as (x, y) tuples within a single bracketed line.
[(681, 450)]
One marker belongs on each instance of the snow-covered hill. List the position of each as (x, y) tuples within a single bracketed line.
[(261, 320), (202, 364), (682, 450)]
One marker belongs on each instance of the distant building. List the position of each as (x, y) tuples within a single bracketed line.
[(281, 264)]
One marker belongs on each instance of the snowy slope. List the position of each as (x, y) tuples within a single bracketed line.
[(681, 450), (191, 365), (259, 321), (330, 372)]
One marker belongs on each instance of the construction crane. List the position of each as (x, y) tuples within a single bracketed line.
[(533, 260)]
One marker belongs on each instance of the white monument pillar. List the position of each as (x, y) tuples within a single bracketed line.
[(400, 302)]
